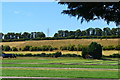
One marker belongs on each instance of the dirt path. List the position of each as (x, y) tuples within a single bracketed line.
[(61, 63), (51, 78), (60, 68)]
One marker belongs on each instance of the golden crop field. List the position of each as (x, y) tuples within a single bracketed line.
[(63, 42), (107, 53)]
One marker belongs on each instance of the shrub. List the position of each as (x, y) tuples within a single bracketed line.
[(111, 47), (94, 50), (79, 47), (117, 47), (33, 48), (63, 48), (14, 49), (6, 48), (28, 54), (70, 55), (20, 49), (117, 55), (57, 54), (43, 55), (26, 48), (71, 47)]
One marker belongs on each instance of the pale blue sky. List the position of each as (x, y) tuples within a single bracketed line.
[(39, 16)]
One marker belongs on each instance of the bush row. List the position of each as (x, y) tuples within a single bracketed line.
[(50, 48), (57, 54), (111, 47), (115, 55), (80, 47), (29, 48), (72, 47)]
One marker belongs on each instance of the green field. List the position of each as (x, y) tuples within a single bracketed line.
[(59, 60), (54, 67), (61, 73), (62, 66)]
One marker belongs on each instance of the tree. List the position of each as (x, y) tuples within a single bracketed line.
[(78, 32), (40, 34), (98, 32), (56, 35), (26, 35), (94, 50), (107, 31), (114, 31), (110, 12), (84, 52), (83, 33), (1, 35), (88, 32), (60, 32)]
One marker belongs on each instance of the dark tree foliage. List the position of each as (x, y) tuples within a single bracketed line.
[(14, 49), (94, 50), (84, 52), (117, 47), (6, 48), (57, 54), (26, 48), (108, 11)]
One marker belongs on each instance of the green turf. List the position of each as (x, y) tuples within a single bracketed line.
[(65, 73), (61, 66), (61, 73), (58, 60)]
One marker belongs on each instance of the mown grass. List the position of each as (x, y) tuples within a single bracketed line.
[(61, 66), (59, 60), (61, 73)]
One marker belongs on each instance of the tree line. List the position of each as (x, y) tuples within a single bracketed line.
[(63, 34), (89, 32), (25, 35)]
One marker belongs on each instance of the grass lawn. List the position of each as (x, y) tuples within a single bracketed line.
[(61, 66), (67, 62), (60, 73), (60, 62)]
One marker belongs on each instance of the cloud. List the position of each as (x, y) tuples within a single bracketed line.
[(22, 13), (16, 12)]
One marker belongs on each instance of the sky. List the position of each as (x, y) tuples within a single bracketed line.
[(41, 17)]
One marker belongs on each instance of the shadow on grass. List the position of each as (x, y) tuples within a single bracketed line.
[(106, 59), (25, 79)]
